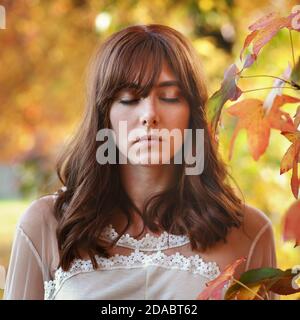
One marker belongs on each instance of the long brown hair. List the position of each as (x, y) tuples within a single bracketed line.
[(204, 206)]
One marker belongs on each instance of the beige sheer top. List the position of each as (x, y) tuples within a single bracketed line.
[(152, 267)]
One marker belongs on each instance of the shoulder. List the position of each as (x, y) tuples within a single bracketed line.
[(262, 249), (255, 222), (36, 231), (254, 239), (38, 215)]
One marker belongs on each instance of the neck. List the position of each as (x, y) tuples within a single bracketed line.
[(141, 182)]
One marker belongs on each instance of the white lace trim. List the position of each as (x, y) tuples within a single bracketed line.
[(194, 264), (148, 242)]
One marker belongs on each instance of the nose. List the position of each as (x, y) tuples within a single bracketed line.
[(149, 115)]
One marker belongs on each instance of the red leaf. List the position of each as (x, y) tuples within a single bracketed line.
[(215, 287), (247, 41), (291, 228), (251, 115), (291, 159), (228, 91), (265, 28), (297, 118), (279, 119), (249, 61)]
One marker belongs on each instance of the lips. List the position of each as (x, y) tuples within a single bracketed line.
[(149, 137)]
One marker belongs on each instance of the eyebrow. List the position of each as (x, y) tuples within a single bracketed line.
[(169, 83)]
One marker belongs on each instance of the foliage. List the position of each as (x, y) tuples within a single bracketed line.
[(252, 284), (258, 117)]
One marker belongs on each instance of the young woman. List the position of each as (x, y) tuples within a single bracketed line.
[(138, 230)]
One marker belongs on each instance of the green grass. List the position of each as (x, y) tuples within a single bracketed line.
[(10, 212)]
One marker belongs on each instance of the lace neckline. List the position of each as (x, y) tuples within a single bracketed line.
[(193, 264), (148, 242)]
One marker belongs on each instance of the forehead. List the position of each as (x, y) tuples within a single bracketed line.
[(166, 73), (166, 79)]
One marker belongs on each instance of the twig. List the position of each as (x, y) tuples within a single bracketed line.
[(243, 285), (266, 292), (268, 88), (268, 76)]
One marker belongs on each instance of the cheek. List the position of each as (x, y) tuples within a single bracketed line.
[(114, 118), (185, 117), (178, 118), (116, 115)]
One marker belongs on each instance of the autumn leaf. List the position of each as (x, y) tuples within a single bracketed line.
[(284, 284), (250, 283), (264, 29), (297, 118), (228, 91), (291, 223), (279, 119), (253, 284), (295, 76), (248, 293), (250, 58), (291, 159), (215, 287), (251, 116), (250, 37), (277, 88)]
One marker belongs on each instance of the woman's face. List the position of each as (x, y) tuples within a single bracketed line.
[(164, 108)]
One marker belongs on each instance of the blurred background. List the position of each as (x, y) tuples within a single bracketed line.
[(44, 52)]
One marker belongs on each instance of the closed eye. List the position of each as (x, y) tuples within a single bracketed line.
[(171, 100)]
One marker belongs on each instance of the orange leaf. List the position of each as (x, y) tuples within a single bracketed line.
[(279, 119), (297, 118), (215, 287), (248, 40), (251, 117), (265, 28), (268, 32), (291, 229), (291, 158)]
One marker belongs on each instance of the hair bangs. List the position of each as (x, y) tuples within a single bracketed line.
[(138, 67)]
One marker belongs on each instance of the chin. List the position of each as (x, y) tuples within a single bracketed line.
[(151, 159)]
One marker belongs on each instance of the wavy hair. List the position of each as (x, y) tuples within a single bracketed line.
[(204, 206)]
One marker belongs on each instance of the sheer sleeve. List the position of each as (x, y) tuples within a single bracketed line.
[(34, 252), (262, 252), (24, 278)]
